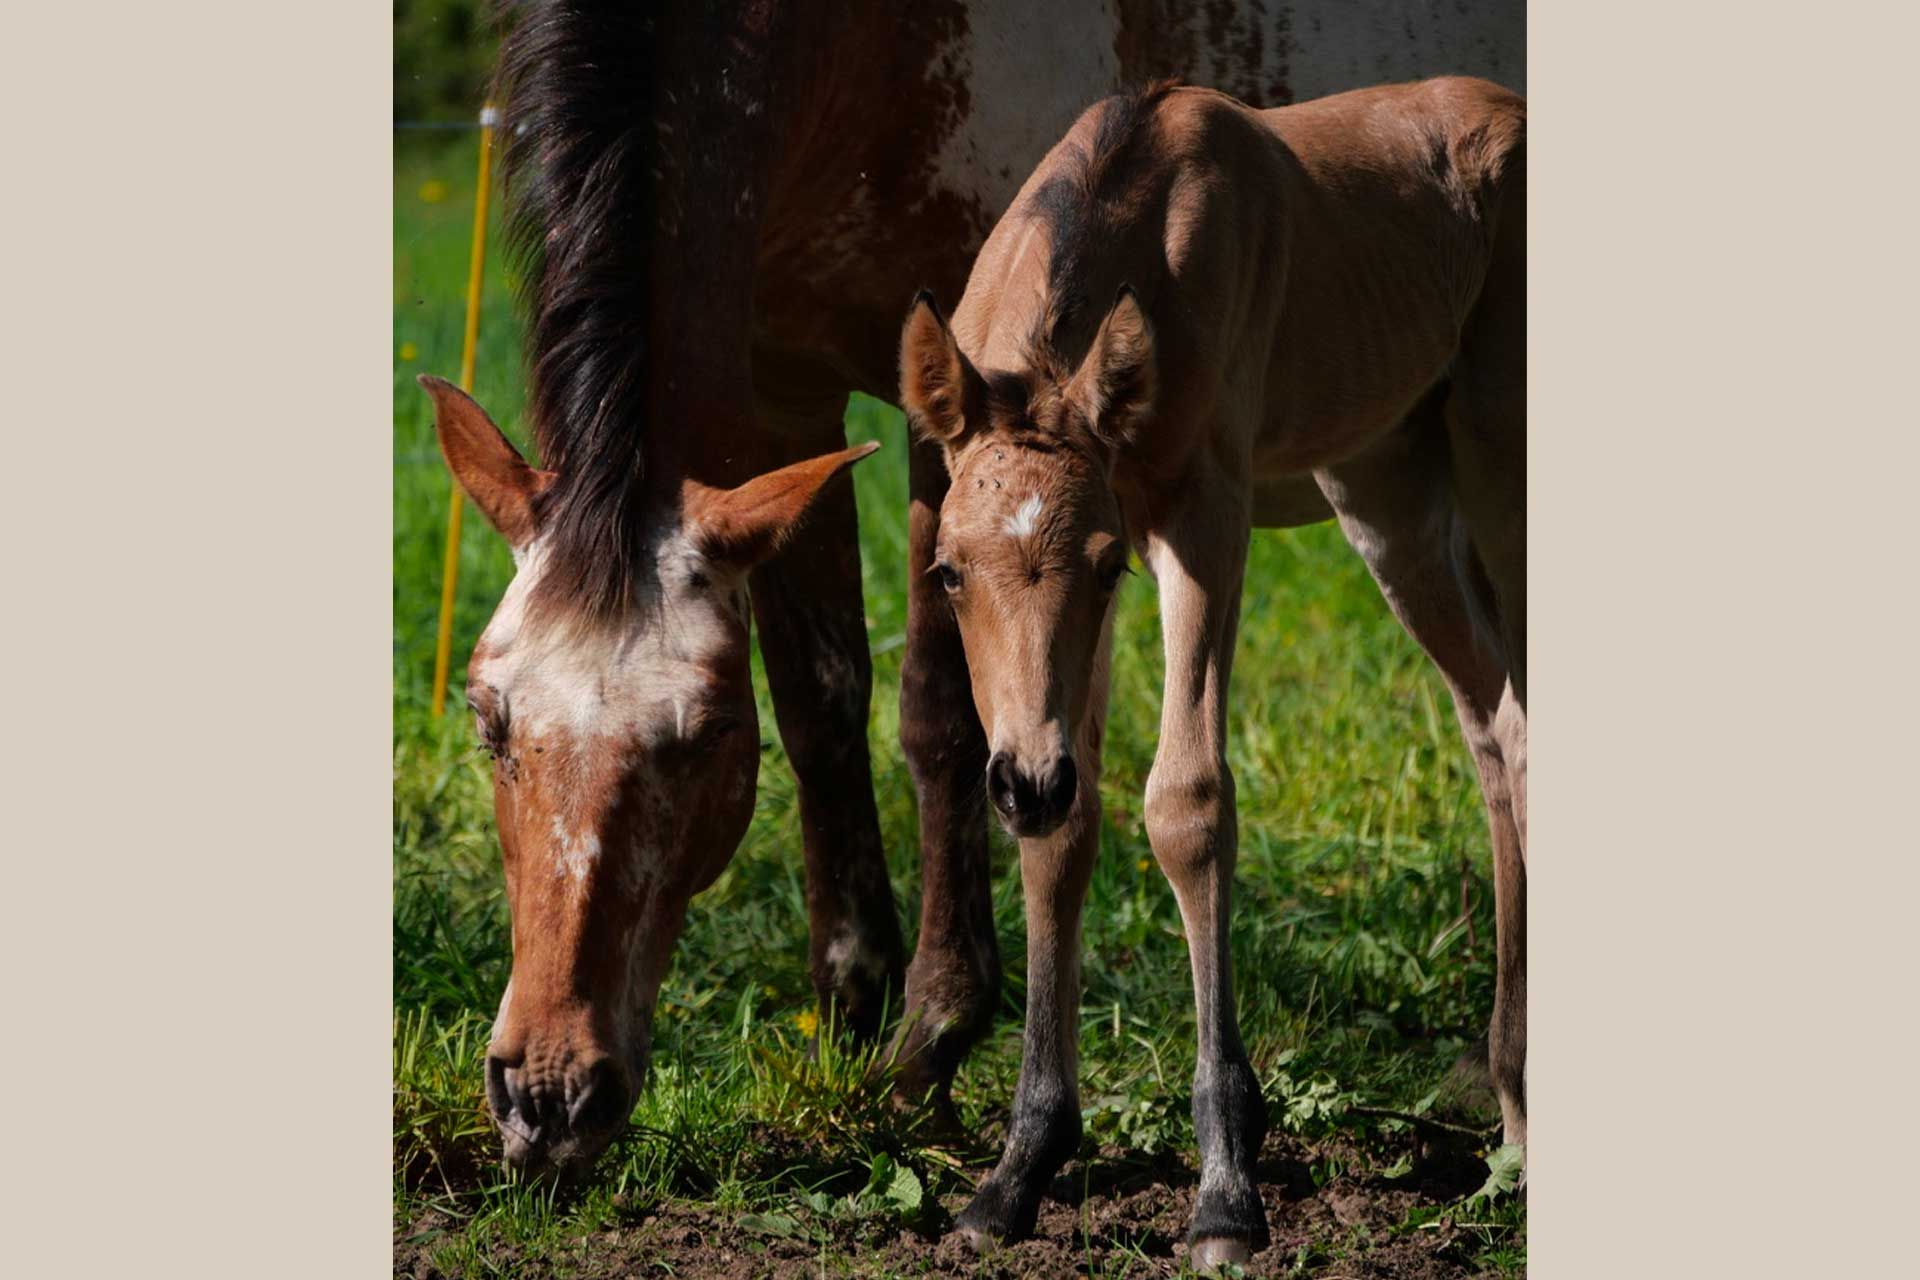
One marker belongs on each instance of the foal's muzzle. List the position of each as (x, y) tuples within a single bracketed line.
[(556, 1125), (1030, 805)]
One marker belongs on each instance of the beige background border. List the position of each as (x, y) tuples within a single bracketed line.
[(197, 731)]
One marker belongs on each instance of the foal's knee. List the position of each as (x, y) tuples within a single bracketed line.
[(1189, 816)]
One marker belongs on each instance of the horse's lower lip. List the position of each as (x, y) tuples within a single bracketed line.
[(518, 1128)]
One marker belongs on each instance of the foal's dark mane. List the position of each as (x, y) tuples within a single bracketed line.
[(1077, 206), (576, 83)]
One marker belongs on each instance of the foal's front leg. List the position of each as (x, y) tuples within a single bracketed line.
[(1191, 822), (1045, 1129)]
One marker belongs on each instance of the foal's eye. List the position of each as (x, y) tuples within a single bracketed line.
[(1110, 574), (949, 576)]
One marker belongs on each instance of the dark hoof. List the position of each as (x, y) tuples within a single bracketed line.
[(995, 1217), (1217, 1251), (976, 1239), (1229, 1225)]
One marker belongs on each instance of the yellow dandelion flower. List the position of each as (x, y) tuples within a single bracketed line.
[(409, 352), (1143, 864), (433, 191), (808, 1022)]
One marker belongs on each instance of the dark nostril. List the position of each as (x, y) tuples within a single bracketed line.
[(602, 1102), (510, 1099), (1066, 782), (498, 1099), (1000, 782)]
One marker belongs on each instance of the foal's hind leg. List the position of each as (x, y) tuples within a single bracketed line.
[(1192, 823), (1396, 507), (1486, 431), (1486, 421), (1045, 1127)]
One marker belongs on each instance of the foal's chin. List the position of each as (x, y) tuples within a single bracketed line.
[(1030, 828)]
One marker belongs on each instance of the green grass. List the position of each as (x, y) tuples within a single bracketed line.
[(1359, 977)]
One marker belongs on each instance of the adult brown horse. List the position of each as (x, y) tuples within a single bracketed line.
[(720, 210), (1318, 310)]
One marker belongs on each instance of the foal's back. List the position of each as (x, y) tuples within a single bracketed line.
[(1392, 200), (1308, 270)]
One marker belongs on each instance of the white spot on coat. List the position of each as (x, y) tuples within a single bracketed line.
[(575, 853), (1020, 523)]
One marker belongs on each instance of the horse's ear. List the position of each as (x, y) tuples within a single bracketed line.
[(939, 386), (485, 463), (1115, 384), (744, 526)]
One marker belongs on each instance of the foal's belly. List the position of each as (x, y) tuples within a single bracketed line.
[(1289, 502), (1306, 433), (1339, 378)]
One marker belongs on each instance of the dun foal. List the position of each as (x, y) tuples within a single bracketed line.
[(1317, 310)]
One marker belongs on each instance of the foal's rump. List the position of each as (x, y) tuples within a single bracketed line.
[(1392, 207)]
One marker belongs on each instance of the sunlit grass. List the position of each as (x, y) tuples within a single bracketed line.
[(1362, 934)]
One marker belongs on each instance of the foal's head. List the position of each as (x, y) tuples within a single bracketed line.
[(625, 752), (1031, 542)]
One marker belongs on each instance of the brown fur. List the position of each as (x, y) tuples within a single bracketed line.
[(610, 785), (1324, 297), (718, 210)]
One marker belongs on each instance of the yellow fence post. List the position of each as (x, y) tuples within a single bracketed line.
[(450, 573)]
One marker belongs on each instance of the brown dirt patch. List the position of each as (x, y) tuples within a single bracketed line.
[(1123, 1214)]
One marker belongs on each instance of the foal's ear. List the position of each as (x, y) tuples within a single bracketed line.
[(1116, 382), (484, 462), (744, 526), (939, 386)]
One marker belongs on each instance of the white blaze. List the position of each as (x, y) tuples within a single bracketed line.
[(577, 852), (1020, 523)]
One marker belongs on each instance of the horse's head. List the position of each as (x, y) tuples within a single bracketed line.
[(625, 753), (1031, 542)]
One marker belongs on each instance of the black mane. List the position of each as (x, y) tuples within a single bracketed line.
[(576, 86), (1073, 204)]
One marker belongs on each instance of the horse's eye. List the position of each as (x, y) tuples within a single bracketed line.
[(716, 732), (949, 576), (486, 720), (1110, 574)]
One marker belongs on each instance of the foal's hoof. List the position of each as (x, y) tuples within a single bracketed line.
[(995, 1216), (1216, 1251), (978, 1239)]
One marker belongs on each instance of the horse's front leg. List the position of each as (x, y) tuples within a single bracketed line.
[(954, 981), (813, 640), (1192, 825), (1044, 1130)]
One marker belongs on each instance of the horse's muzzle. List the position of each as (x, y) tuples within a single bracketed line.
[(1030, 805), (555, 1126)]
